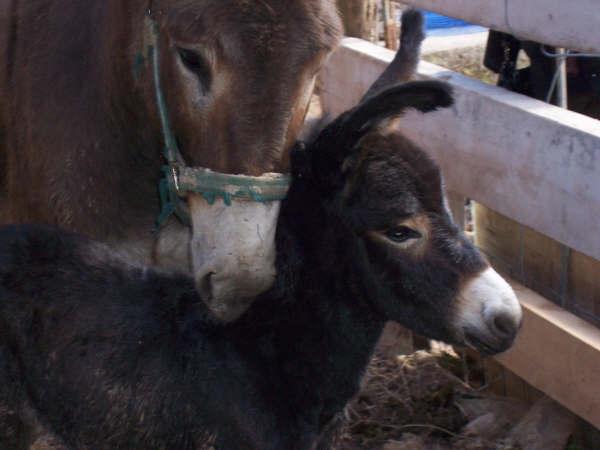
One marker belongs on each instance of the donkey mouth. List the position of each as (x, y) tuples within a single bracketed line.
[(230, 310), (486, 347)]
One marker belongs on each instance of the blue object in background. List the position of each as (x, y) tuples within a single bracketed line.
[(438, 25), (434, 21)]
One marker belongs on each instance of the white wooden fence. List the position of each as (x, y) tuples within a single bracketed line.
[(573, 24), (536, 163)]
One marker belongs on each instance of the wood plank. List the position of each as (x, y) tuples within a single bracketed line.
[(543, 265), (537, 261), (499, 238), (583, 291), (533, 162), (494, 376), (360, 18), (514, 386), (571, 24), (557, 353)]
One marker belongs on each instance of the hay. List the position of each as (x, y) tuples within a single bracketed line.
[(420, 402), (411, 393)]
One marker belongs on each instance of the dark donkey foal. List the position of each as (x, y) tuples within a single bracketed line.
[(113, 356)]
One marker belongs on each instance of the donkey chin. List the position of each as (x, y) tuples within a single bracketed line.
[(488, 314)]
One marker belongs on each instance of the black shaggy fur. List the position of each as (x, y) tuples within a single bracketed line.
[(112, 356)]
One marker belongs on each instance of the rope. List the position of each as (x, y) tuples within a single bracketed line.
[(172, 154)]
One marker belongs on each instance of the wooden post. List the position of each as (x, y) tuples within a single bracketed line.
[(360, 18), (390, 26)]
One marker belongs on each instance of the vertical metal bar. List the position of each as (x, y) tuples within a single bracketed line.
[(562, 100), (561, 91)]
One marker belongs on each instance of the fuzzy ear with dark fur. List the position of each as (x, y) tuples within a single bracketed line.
[(340, 138), (404, 64)]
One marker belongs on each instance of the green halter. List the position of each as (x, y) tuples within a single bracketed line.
[(179, 179)]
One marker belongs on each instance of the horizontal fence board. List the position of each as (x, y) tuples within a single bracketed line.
[(571, 24), (533, 162), (557, 353)]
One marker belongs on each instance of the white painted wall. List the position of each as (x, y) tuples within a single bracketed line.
[(533, 162), (573, 24)]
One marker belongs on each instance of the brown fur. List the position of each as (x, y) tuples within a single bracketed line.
[(79, 130)]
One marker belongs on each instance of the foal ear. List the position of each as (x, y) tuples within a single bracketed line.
[(424, 96), (404, 64), (340, 138)]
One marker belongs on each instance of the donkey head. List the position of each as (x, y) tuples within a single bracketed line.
[(238, 76), (427, 274)]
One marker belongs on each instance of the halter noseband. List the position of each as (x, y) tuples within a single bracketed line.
[(179, 179)]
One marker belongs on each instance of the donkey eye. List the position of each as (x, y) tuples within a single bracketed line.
[(195, 63), (402, 234)]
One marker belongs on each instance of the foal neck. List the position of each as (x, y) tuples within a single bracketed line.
[(326, 332)]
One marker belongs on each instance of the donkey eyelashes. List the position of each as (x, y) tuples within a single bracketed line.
[(197, 64), (401, 234)]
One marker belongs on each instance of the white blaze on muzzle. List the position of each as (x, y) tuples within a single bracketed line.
[(488, 313), (232, 252)]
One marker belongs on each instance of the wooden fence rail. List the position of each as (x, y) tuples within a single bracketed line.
[(536, 163), (571, 24), (530, 161)]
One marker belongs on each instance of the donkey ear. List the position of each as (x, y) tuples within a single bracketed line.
[(341, 136), (404, 64), (339, 139), (424, 96)]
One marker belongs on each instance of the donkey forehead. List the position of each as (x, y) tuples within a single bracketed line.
[(247, 29), (396, 175)]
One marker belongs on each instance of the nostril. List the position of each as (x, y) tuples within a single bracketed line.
[(504, 325), (205, 286)]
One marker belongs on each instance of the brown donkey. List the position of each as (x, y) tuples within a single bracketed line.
[(81, 136)]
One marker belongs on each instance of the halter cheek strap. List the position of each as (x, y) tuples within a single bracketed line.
[(178, 179)]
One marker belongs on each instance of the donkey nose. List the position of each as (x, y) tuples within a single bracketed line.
[(489, 312), (502, 325), (228, 294), (204, 285)]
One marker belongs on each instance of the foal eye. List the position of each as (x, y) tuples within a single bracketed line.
[(401, 234), (195, 63)]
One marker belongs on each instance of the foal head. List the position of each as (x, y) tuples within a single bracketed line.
[(389, 193)]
